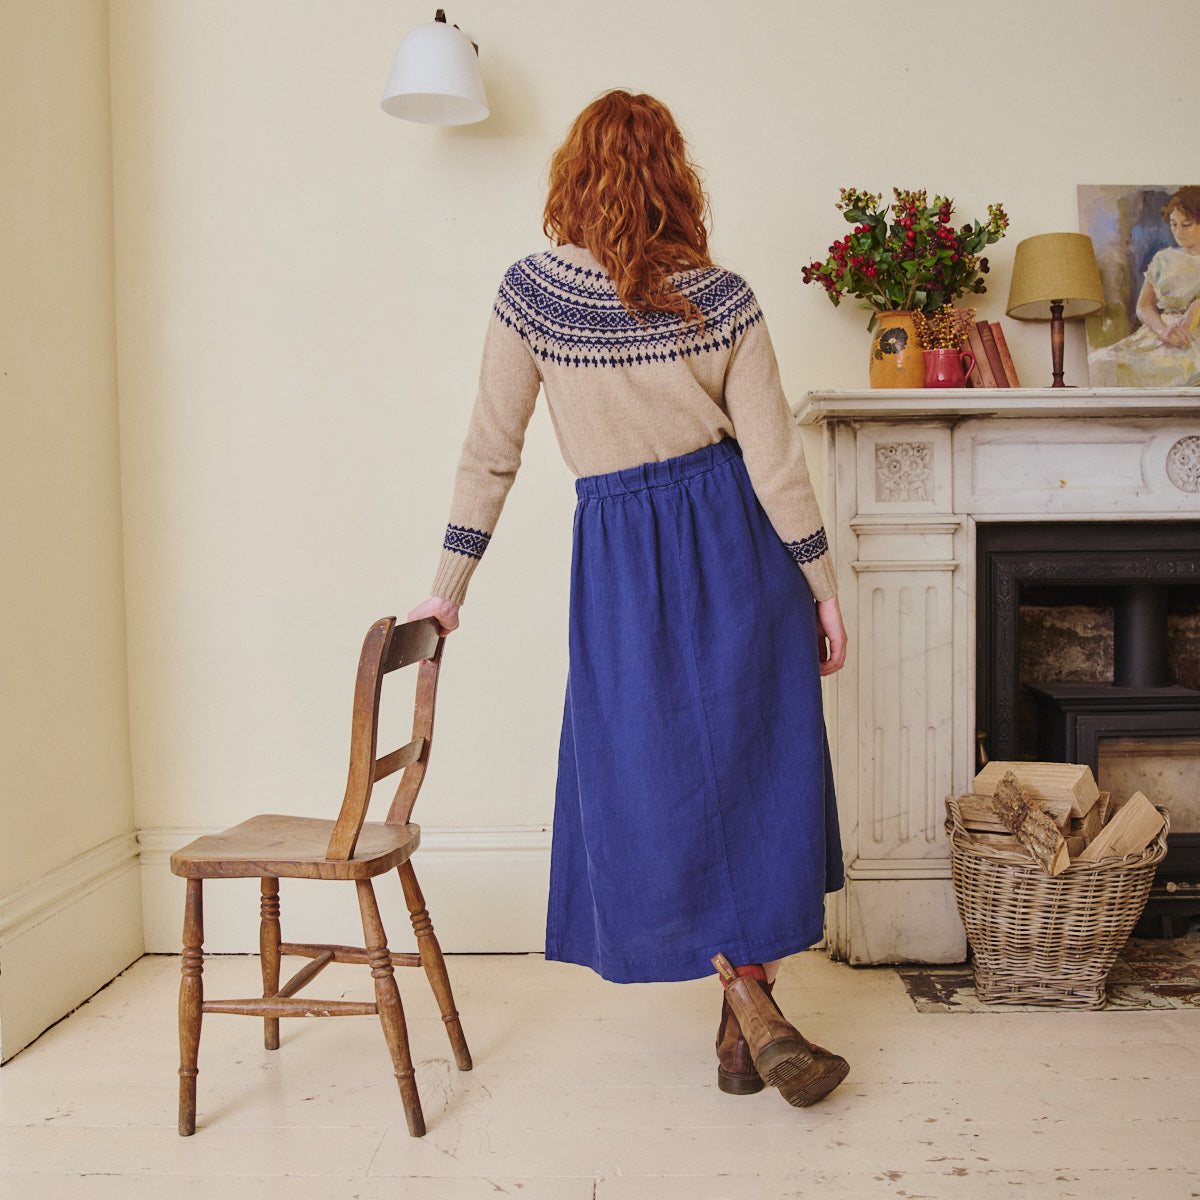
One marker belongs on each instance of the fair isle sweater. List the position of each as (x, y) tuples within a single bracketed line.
[(624, 390)]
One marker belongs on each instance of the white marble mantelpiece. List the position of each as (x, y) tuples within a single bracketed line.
[(910, 476), (960, 403)]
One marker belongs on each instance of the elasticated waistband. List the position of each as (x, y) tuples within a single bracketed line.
[(630, 480)]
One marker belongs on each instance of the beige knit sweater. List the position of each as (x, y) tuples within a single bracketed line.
[(624, 390)]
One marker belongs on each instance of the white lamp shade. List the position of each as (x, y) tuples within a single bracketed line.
[(435, 78)]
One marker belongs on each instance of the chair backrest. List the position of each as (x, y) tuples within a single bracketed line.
[(388, 647)]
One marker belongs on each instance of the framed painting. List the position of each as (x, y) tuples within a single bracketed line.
[(1147, 240)]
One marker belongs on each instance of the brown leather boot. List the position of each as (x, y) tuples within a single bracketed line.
[(735, 1068), (802, 1071), (815, 1083), (776, 1047)]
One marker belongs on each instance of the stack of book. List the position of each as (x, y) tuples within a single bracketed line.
[(993, 363)]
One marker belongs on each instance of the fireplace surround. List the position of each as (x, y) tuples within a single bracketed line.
[(914, 477)]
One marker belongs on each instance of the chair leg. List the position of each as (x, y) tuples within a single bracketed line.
[(269, 938), (191, 1001), (434, 964), (391, 1011)]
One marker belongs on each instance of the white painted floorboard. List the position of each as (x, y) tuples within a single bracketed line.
[(584, 1090)]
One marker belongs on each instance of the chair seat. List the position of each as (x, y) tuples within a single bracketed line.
[(273, 846)]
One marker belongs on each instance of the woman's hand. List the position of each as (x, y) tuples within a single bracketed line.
[(1176, 335), (445, 611), (831, 640)]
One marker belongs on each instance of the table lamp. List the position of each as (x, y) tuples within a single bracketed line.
[(1055, 277)]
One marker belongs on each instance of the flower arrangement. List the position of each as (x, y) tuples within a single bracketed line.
[(947, 328), (916, 260)]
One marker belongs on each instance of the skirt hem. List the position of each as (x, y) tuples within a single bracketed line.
[(695, 964)]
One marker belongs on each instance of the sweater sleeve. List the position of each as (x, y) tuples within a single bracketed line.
[(773, 450), (491, 453)]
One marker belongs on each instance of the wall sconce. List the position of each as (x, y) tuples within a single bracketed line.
[(1055, 277), (435, 77)]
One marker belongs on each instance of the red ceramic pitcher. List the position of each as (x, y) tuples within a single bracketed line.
[(945, 367)]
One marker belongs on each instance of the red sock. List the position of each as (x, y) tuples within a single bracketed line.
[(749, 971)]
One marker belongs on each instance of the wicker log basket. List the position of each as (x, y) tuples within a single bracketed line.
[(1042, 939)]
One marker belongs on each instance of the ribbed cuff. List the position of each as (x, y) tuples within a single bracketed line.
[(453, 574), (820, 577)]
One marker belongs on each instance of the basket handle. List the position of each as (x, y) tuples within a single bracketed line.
[(954, 822)]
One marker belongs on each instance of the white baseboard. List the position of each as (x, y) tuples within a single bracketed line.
[(63, 937), (485, 888)]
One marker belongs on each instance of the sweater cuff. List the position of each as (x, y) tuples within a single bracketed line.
[(453, 574), (811, 555), (821, 581), (462, 549)]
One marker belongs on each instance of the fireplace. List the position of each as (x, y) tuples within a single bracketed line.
[(1137, 571), (1122, 704), (1076, 474)]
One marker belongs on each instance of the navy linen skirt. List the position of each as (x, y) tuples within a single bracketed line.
[(695, 808)]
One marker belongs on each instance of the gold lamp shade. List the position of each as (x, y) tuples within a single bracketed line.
[(1055, 277), (1055, 268)]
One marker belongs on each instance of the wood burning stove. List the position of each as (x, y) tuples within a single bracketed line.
[(1142, 566)]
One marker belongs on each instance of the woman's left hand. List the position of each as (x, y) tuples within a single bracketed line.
[(1177, 336), (831, 639), (445, 611)]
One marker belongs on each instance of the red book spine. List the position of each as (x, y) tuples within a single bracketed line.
[(1005, 357), (993, 355), (982, 371)]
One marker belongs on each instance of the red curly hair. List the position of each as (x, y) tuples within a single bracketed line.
[(623, 185)]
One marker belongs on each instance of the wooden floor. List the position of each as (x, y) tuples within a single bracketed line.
[(584, 1090)]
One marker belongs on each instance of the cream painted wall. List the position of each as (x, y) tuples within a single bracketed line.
[(70, 914), (302, 285)]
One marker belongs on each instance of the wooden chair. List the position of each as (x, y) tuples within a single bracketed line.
[(350, 848)]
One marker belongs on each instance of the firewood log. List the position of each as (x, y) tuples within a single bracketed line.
[(978, 813), (1064, 789), (1133, 827), (1086, 827), (1032, 827)]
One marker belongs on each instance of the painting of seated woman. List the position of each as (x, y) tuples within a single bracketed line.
[(1147, 243)]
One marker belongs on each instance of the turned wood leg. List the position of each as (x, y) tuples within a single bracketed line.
[(269, 937), (191, 1000), (434, 964), (391, 1011)]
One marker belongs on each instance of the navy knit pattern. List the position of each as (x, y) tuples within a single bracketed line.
[(571, 316), (809, 549), (469, 542)]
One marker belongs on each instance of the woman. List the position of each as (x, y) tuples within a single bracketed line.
[(1165, 351), (694, 814)]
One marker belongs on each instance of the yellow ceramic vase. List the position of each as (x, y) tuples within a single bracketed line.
[(896, 357)]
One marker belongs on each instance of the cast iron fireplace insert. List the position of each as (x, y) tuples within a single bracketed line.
[(1140, 565)]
